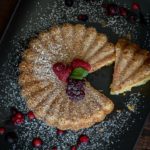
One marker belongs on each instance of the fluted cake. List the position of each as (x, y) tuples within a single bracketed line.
[(46, 95), (132, 67)]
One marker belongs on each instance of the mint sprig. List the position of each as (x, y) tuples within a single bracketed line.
[(79, 73)]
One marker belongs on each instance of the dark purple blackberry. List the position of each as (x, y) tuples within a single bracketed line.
[(123, 11), (75, 89), (112, 10), (132, 17), (69, 3), (83, 17), (11, 137), (13, 110)]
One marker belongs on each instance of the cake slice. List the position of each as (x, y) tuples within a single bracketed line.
[(131, 67), (80, 114)]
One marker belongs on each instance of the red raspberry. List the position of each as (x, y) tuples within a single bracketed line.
[(135, 6), (2, 130), (80, 63), (18, 118), (31, 115), (63, 76), (73, 147), (59, 67), (54, 148), (83, 139), (37, 142), (123, 11), (62, 71), (83, 17), (13, 110), (60, 132)]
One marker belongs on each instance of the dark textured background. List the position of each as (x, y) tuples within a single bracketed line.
[(6, 9)]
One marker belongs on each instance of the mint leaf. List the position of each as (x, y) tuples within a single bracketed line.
[(79, 73)]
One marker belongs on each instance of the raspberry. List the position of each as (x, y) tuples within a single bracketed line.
[(135, 6), (63, 76), (73, 147), (75, 89), (13, 110), (132, 17), (18, 118), (83, 139), (82, 17), (54, 148), (59, 67), (60, 132), (123, 11), (11, 137), (80, 63), (37, 142), (62, 71), (112, 9), (2, 130), (31, 115)]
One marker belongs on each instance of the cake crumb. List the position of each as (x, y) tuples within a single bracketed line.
[(103, 23), (131, 107), (129, 36), (124, 94), (118, 111), (101, 130)]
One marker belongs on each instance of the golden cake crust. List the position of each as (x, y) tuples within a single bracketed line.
[(46, 95)]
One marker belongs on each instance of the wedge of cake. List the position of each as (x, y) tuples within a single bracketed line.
[(132, 67)]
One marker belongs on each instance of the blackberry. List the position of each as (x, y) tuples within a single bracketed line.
[(83, 17), (69, 3), (11, 137), (112, 9), (75, 89)]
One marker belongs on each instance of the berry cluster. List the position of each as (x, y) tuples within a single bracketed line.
[(16, 118), (133, 15), (74, 75), (75, 89), (11, 136)]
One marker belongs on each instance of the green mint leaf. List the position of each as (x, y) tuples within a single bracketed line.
[(79, 73)]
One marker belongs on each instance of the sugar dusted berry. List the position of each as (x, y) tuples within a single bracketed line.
[(37, 142), (83, 139), (31, 115), (80, 63), (62, 71), (18, 118)]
